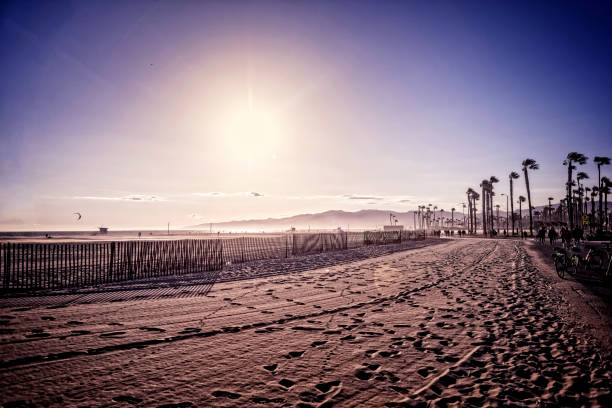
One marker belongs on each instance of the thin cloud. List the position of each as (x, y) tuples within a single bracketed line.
[(236, 194), (364, 198), (131, 197)]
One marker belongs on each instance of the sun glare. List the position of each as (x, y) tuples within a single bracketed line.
[(251, 134)]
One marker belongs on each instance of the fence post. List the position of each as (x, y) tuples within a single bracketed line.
[(7, 263), (111, 261)]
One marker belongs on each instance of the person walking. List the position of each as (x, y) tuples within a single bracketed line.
[(552, 235)]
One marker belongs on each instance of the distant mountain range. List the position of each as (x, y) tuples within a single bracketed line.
[(358, 220), (347, 220)]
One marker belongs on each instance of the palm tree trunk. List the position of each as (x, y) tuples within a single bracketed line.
[(600, 202), (607, 218), (512, 205), (570, 208), (528, 200), (484, 212), (521, 218)]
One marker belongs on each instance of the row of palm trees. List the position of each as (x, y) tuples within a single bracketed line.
[(487, 187), (575, 203)]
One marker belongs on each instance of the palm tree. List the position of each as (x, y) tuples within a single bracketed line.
[(513, 176), (463, 211), (571, 158), (529, 164), (581, 175), (601, 161), (452, 217), (520, 201), (497, 206), (485, 189), (594, 192), (469, 206), (492, 181), (475, 197), (550, 209), (605, 190), (587, 190)]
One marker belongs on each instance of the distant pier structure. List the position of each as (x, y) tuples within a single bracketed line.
[(103, 230), (393, 227)]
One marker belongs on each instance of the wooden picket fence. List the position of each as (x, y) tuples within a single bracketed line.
[(34, 266)]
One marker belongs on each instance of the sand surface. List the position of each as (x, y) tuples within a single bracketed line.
[(460, 323)]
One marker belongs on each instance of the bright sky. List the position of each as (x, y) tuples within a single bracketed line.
[(141, 113)]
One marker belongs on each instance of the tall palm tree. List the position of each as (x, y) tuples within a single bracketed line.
[(578, 158), (605, 190), (601, 161), (452, 217), (520, 201), (463, 211), (492, 181), (475, 197), (469, 193), (594, 193), (497, 206), (485, 189), (587, 190), (512, 176), (529, 164), (550, 209), (581, 175)]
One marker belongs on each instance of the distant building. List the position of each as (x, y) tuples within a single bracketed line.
[(103, 230), (393, 228)]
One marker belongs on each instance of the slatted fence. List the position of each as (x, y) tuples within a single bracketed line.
[(32, 266), (65, 265)]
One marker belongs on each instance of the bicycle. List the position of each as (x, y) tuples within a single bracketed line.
[(597, 261)]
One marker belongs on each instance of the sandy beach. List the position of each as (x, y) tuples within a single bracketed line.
[(462, 323)]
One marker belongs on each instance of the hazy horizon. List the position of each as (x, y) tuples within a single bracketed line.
[(136, 114)]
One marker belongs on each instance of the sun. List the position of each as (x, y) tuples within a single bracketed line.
[(252, 134)]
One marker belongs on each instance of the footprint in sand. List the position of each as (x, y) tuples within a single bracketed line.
[(79, 332), (127, 398), (225, 394), (264, 400), (152, 329), (326, 386), (286, 383), (425, 371), (294, 354), (113, 334), (271, 367), (190, 330)]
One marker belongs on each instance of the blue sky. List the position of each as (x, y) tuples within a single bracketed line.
[(139, 113)]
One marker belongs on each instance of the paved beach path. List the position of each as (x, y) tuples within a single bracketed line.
[(463, 323)]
